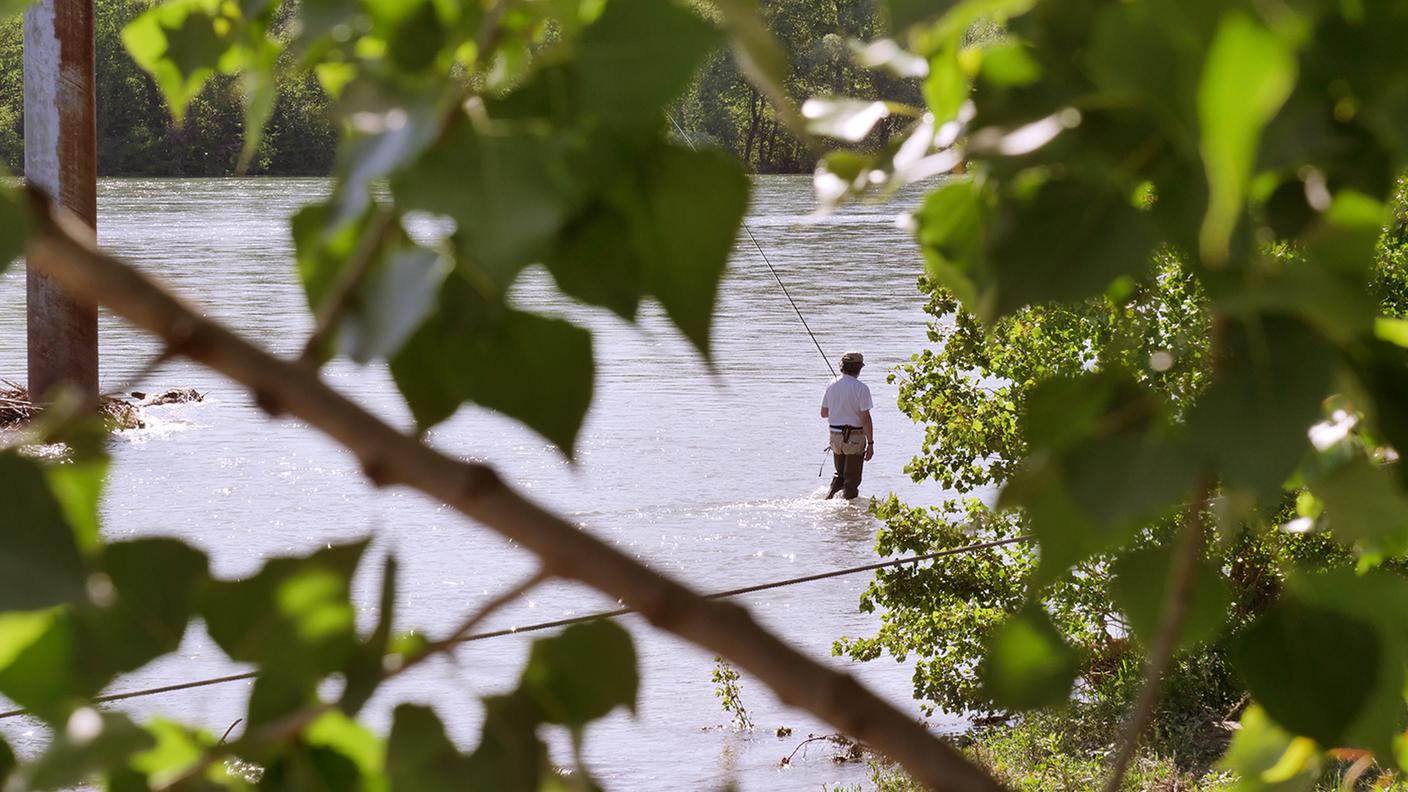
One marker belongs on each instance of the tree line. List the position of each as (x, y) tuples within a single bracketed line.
[(137, 136)]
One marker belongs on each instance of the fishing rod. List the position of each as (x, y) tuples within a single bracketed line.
[(764, 256)]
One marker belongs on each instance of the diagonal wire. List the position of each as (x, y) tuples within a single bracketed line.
[(611, 614), (764, 256)]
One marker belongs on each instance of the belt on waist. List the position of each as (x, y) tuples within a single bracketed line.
[(836, 428)]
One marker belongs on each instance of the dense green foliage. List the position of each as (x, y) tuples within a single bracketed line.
[(137, 135), (1157, 280)]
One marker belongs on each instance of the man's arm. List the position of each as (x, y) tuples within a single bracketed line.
[(869, 434), (825, 413)]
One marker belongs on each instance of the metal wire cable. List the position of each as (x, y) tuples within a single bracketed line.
[(771, 269), (611, 614)]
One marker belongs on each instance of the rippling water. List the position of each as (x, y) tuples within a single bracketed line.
[(708, 476)]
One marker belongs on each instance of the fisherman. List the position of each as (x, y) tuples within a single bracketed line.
[(846, 406)]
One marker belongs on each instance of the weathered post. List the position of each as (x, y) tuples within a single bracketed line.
[(60, 157)]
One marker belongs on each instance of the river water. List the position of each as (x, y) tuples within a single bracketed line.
[(707, 476)]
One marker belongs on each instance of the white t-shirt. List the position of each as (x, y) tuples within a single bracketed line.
[(845, 399)]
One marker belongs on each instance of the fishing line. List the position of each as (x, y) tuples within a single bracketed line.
[(766, 261), (611, 614)]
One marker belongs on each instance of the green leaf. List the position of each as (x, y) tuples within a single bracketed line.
[(177, 749), (419, 757), (1141, 585), (411, 29), (89, 744), (366, 669), (636, 57), (77, 485), (946, 88), (1104, 461), (509, 195), (1248, 74), (694, 206), (40, 565), (39, 663), (336, 731), (181, 44), (583, 673), (293, 619), (1267, 758), (951, 223), (510, 756), (1065, 243), (154, 586), (1009, 64), (531, 368), (1284, 659), (1364, 504), (14, 226), (594, 260), (1251, 422), (1027, 664)]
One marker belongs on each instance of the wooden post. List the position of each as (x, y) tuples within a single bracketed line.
[(61, 158)]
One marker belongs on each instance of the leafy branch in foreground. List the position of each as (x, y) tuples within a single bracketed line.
[(1162, 266)]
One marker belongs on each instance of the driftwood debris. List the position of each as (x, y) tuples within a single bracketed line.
[(16, 408)]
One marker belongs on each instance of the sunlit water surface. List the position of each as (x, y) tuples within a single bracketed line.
[(707, 476)]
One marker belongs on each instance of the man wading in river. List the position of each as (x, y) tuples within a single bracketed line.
[(846, 406)]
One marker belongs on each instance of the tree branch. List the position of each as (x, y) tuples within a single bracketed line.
[(390, 457), (1177, 599)]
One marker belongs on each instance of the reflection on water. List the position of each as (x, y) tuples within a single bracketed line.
[(710, 477)]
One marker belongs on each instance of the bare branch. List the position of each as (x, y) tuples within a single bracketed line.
[(390, 457), (1177, 599)]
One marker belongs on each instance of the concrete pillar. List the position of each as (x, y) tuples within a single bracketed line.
[(61, 157)]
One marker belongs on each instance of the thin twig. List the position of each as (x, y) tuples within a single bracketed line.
[(1177, 598), (389, 456), (353, 274), (454, 639)]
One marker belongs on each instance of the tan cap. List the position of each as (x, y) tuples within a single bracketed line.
[(852, 357)]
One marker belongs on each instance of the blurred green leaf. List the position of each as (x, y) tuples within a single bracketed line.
[(946, 88), (40, 565), (1009, 64), (366, 669), (1248, 74), (419, 757), (77, 485), (1284, 659), (176, 750), (1364, 504), (1141, 585), (154, 583), (951, 233), (510, 195), (336, 731), (1251, 422), (181, 44), (412, 30), (7, 761), (583, 673), (90, 743), (1027, 663), (636, 57), (1067, 242), (531, 368), (1104, 459), (1267, 758), (510, 756)]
